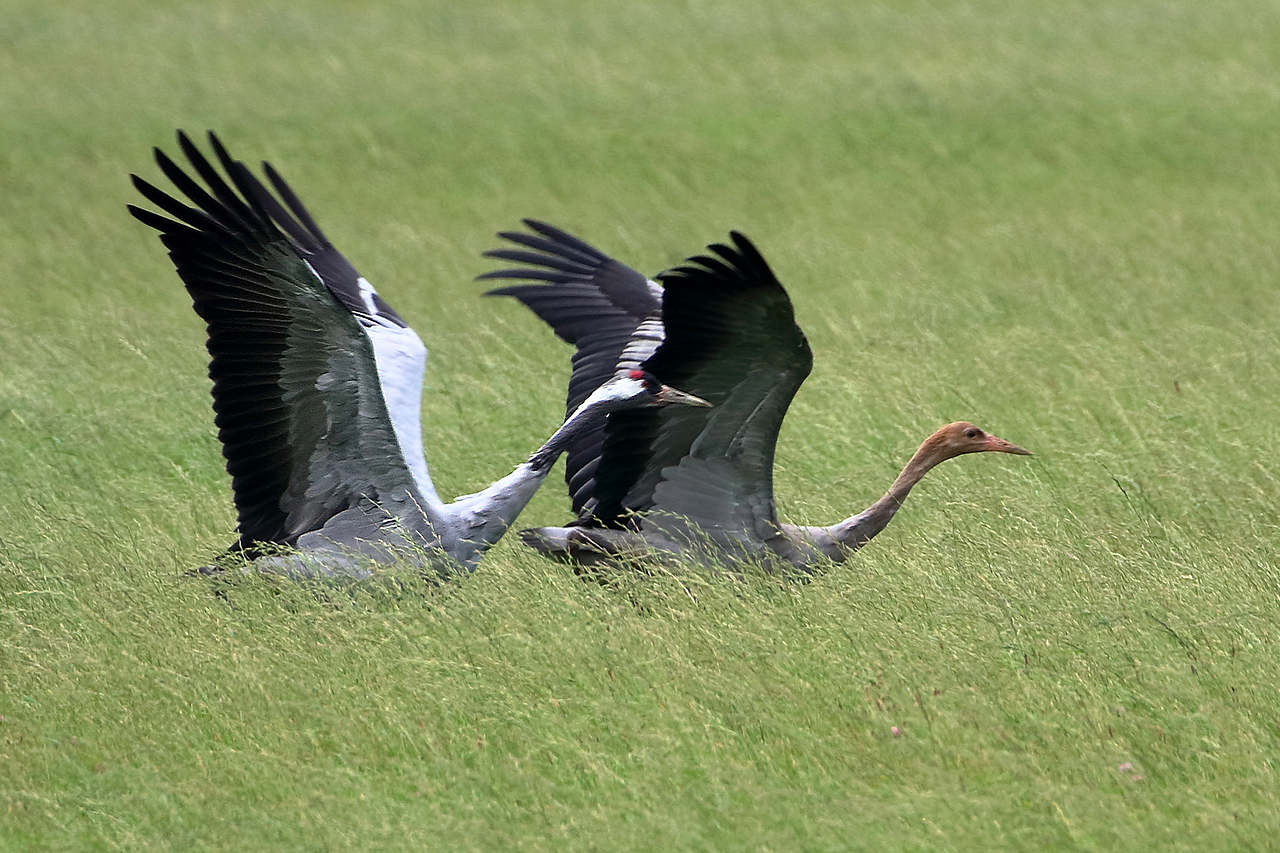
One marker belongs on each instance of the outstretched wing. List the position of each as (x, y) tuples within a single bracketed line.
[(293, 329), (732, 339), (605, 309)]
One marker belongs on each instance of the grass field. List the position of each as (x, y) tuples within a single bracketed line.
[(1056, 219)]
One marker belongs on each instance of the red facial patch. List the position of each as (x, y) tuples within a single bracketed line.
[(635, 374)]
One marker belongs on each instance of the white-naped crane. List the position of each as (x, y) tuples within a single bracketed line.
[(317, 386), (696, 482)]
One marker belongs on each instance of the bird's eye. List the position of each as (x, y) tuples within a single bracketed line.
[(972, 433)]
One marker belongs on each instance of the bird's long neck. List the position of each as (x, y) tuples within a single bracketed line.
[(484, 517), (857, 530), (589, 415)]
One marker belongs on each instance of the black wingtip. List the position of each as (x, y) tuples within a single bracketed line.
[(740, 264), (149, 218), (221, 151), (743, 243), (510, 290), (188, 147), (747, 249), (550, 240)]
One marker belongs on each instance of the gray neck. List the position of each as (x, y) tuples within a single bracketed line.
[(587, 416), (858, 530), (479, 520)]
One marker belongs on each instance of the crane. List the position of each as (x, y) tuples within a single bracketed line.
[(691, 482), (317, 386)]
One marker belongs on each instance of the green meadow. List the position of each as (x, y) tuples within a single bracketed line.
[(1055, 219)]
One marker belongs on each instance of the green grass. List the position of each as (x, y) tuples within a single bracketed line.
[(1054, 219)]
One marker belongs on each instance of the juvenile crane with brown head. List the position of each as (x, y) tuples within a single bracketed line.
[(689, 482)]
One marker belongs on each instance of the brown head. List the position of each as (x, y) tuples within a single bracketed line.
[(963, 437)]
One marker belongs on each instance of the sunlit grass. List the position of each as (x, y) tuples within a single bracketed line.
[(1055, 220)]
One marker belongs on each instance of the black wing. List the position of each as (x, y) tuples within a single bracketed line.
[(605, 309), (299, 409), (731, 338)]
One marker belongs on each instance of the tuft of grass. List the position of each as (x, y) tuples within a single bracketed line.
[(1055, 220)]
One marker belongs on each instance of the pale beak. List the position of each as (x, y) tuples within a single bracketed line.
[(999, 445), (667, 395)]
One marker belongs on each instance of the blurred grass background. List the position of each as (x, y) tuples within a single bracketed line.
[(1053, 219)]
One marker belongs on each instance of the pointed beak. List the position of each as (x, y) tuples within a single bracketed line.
[(999, 445), (668, 395)]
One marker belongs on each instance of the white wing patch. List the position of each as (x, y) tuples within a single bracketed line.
[(644, 343), (366, 295), (401, 359)]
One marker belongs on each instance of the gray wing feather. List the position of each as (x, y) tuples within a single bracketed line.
[(299, 407), (731, 338)]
